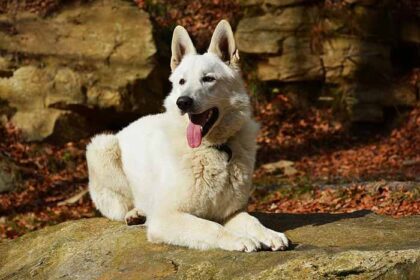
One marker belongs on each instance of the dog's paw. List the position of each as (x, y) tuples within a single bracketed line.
[(243, 244), (276, 241), (134, 217)]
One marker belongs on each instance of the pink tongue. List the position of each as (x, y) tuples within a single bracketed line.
[(194, 135)]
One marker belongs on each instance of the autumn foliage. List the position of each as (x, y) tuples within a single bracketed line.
[(326, 149)]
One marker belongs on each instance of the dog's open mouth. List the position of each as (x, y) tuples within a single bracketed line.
[(199, 126)]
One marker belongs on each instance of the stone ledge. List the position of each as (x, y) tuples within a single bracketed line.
[(360, 245)]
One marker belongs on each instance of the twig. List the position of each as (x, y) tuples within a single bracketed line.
[(73, 199)]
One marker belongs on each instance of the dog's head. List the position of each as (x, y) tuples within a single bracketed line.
[(208, 89)]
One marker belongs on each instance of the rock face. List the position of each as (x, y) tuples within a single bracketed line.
[(9, 175), (59, 71), (326, 246), (348, 47)]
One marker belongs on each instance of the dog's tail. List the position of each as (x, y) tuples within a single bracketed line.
[(108, 185)]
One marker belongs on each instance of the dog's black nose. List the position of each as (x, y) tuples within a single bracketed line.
[(184, 103)]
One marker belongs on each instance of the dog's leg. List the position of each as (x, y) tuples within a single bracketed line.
[(188, 230), (108, 185), (244, 224)]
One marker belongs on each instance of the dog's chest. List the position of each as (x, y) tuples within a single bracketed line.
[(220, 186)]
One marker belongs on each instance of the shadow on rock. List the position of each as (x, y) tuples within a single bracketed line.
[(288, 221)]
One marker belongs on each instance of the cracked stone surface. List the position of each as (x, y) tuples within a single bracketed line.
[(360, 245), (93, 55)]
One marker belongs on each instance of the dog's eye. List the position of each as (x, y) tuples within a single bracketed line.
[(208, 79), (182, 81)]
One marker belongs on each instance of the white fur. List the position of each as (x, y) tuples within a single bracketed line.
[(191, 197)]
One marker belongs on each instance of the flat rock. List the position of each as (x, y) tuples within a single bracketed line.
[(360, 245)]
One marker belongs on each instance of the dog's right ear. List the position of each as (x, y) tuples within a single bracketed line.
[(181, 45)]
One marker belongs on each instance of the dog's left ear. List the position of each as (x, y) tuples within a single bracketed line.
[(223, 44)]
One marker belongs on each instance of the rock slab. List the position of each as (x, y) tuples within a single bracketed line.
[(360, 245)]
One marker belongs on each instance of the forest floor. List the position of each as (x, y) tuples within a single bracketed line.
[(317, 164)]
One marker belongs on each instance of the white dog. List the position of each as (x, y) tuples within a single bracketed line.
[(188, 170)]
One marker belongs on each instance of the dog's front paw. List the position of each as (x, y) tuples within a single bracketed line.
[(271, 239), (243, 244), (134, 217)]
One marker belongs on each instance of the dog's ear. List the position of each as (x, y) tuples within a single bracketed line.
[(181, 45), (223, 44)]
